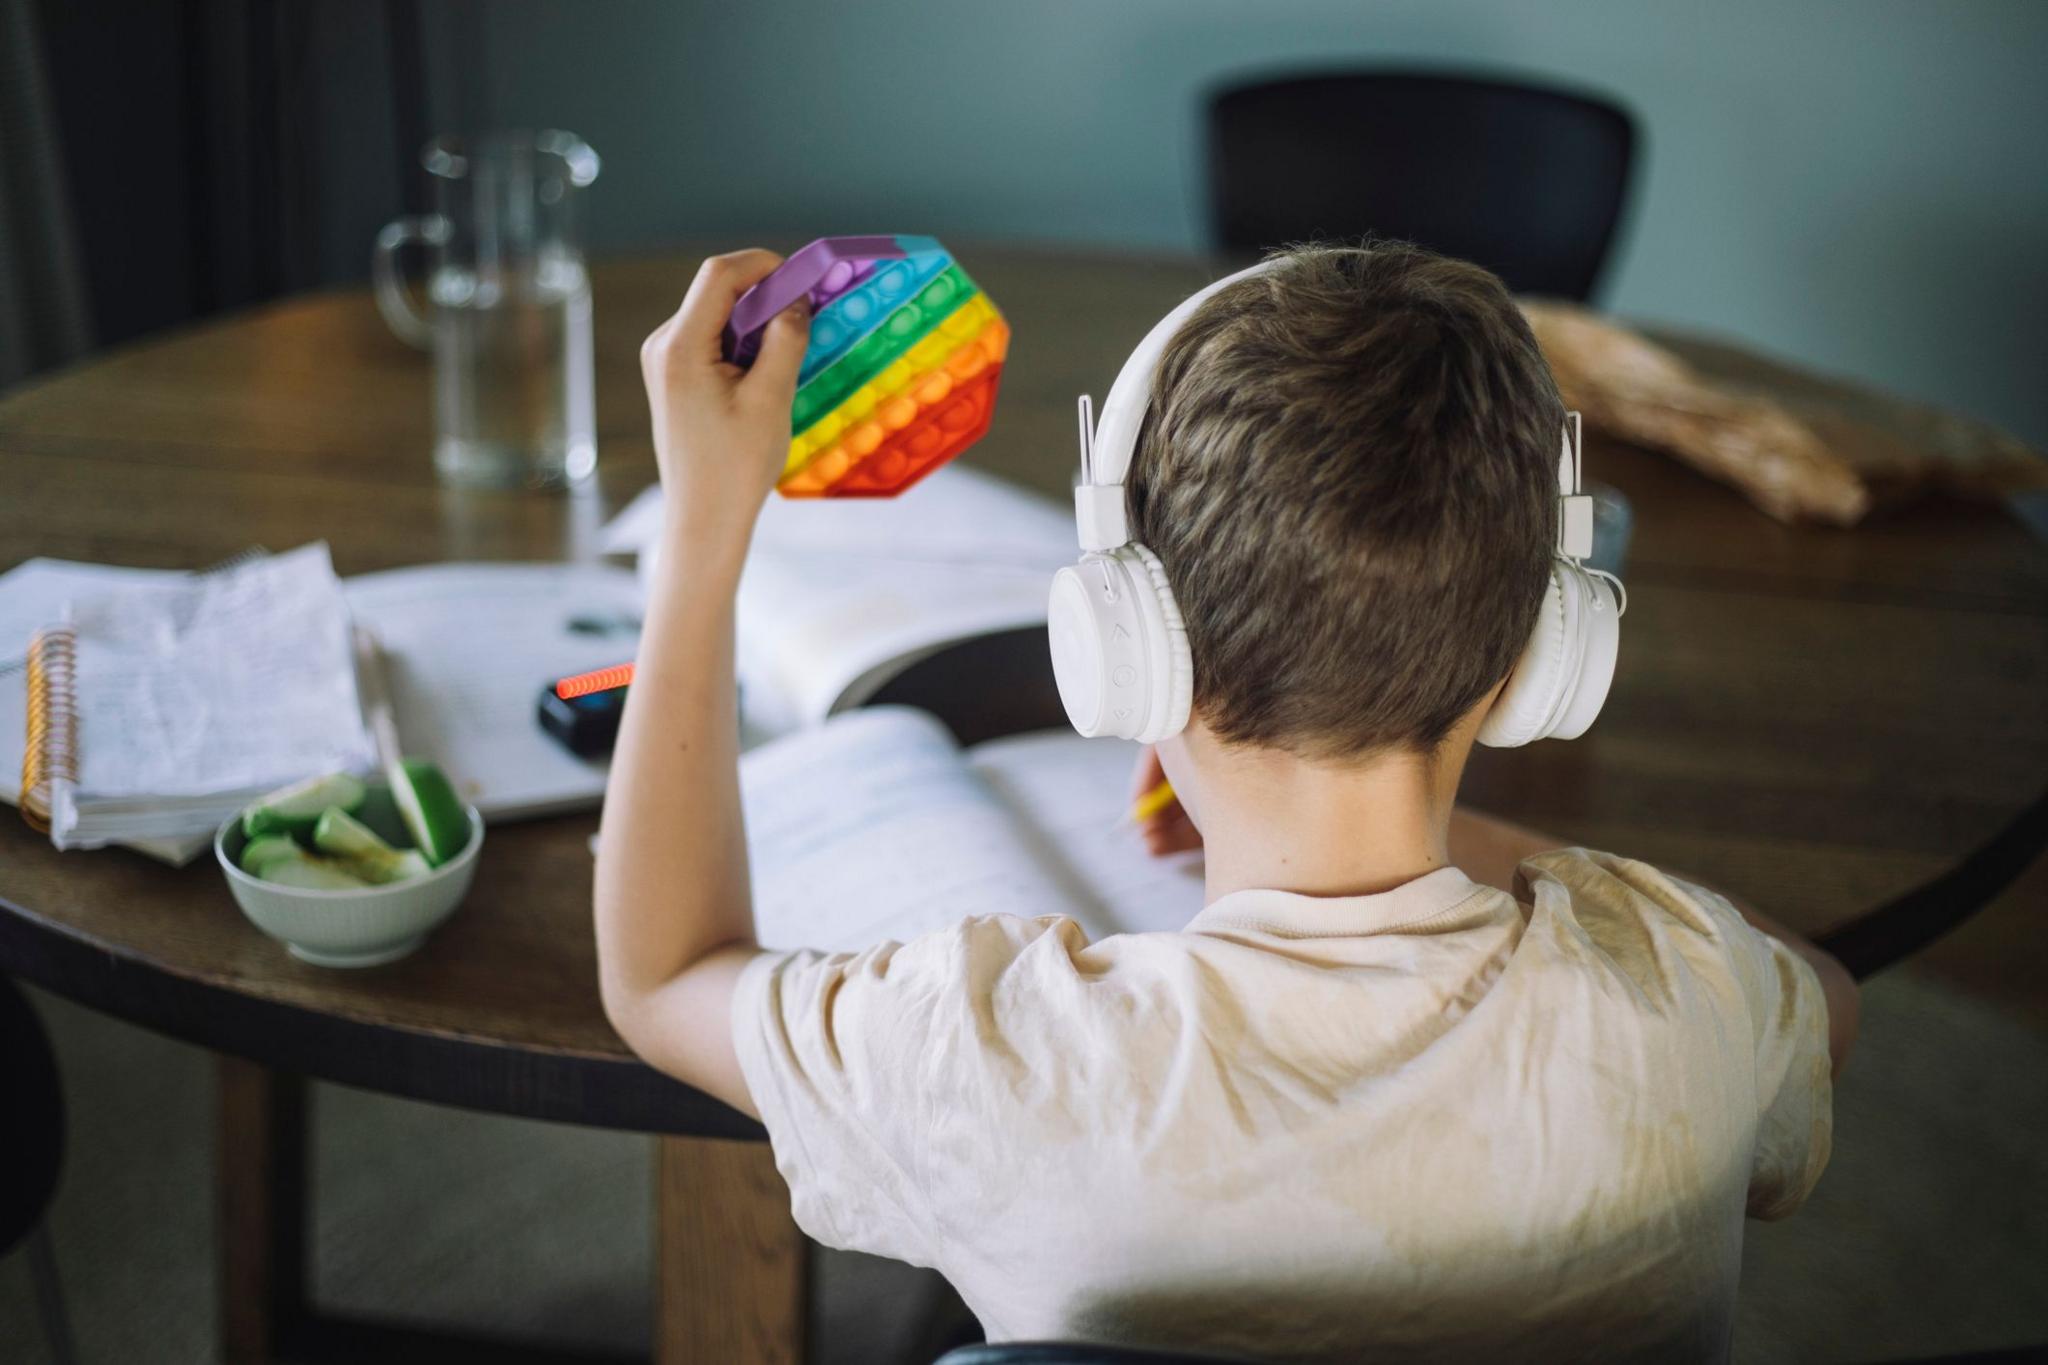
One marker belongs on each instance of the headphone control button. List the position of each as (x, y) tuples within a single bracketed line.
[(1124, 676)]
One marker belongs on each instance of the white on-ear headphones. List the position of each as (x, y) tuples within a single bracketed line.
[(1120, 649)]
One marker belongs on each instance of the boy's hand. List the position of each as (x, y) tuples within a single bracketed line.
[(1168, 830), (721, 434)]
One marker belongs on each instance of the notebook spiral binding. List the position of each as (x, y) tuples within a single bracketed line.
[(52, 688), (52, 751)]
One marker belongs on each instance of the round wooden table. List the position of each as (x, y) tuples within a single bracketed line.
[(1816, 720)]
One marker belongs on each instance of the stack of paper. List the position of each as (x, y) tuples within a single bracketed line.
[(185, 699)]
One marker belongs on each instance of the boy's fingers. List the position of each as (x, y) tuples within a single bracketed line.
[(1175, 834), (1148, 773), (773, 378), (694, 331), (1169, 820)]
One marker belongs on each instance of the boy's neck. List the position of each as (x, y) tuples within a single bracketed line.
[(1271, 820)]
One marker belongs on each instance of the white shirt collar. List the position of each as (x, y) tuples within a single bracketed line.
[(1290, 914)]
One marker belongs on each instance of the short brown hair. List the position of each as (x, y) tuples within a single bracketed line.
[(1349, 472)]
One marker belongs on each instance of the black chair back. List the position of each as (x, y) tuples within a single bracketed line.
[(1527, 182), (1074, 1353), (31, 1118)]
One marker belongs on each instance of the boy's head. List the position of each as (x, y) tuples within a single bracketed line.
[(1349, 473)]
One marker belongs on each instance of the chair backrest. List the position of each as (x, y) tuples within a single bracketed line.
[(32, 1136), (1525, 181), (1074, 1353)]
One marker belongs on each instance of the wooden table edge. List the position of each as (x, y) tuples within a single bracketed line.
[(501, 1078)]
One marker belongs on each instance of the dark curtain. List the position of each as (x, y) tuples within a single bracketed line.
[(43, 314), (226, 152)]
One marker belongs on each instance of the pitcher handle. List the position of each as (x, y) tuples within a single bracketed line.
[(394, 301)]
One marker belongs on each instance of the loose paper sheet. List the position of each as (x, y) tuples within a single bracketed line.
[(467, 649)]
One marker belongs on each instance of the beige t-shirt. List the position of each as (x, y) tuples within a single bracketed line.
[(1432, 1121)]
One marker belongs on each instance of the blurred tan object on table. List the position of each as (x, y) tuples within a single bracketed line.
[(1799, 446)]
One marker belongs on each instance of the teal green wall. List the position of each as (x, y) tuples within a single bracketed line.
[(1862, 186)]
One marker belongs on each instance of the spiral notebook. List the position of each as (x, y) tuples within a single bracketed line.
[(464, 649), (152, 714)]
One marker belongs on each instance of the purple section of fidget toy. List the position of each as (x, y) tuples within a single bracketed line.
[(804, 273)]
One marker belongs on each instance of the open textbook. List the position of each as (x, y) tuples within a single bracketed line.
[(841, 595), (877, 826)]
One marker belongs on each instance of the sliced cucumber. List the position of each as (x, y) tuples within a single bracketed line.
[(433, 812), (266, 849), (360, 852), (309, 873), (295, 809)]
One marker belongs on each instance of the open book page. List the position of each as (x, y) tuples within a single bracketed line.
[(1071, 795), (821, 633), (840, 595), (874, 828)]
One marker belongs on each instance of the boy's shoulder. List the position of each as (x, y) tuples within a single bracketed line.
[(1597, 889), (1663, 932)]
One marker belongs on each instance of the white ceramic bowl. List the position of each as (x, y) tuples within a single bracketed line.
[(350, 928)]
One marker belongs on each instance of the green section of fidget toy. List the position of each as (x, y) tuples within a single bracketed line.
[(879, 349)]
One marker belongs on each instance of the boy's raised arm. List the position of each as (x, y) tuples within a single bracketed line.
[(673, 907)]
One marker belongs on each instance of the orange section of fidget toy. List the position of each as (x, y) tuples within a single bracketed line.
[(934, 417), (926, 444)]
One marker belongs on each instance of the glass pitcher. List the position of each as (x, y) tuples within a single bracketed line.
[(507, 312)]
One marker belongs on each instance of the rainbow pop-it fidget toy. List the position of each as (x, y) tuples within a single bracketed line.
[(901, 372)]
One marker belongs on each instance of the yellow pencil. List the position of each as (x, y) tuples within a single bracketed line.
[(1152, 802)]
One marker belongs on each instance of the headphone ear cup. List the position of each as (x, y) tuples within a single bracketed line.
[(1598, 626), (1522, 711), (1560, 683), (1119, 651), (1172, 672), (1076, 638)]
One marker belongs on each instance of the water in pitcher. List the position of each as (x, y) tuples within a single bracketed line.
[(512, 381)]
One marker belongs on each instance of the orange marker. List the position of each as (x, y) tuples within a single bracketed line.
[(598, 680)]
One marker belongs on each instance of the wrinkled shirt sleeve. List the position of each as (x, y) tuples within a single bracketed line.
[(1788, 1016), (850, 1058)]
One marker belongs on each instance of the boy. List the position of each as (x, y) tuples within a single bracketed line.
[(1412, 1081)]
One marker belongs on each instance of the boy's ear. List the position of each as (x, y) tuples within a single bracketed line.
[(1474, 718), (1196, 734)]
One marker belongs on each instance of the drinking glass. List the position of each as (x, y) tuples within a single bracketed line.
[(507, 307), (1614, 524)]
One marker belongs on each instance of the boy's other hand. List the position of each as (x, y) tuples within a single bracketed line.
[(721, 433), (1167, 830)]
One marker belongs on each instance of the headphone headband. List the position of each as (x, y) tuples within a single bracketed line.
[(1109, 443), (1120, 651), (1123, 412)]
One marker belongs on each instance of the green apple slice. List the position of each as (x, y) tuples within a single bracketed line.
[(309, 873), (432, 811), (260, 852), (296, 809), (361, 853)]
